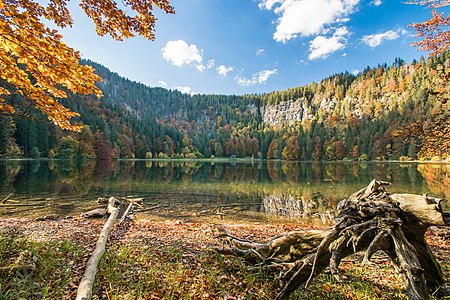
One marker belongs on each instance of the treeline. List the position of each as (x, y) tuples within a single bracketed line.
[(342, 117)]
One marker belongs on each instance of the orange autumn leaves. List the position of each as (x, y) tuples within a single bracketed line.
[(37, 65), (433, 32)]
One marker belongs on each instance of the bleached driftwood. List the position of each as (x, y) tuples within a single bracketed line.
[(85, 288), (126, 212), (368, 221), (95, 213)]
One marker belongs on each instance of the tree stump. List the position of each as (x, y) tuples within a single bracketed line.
[(368, 221)]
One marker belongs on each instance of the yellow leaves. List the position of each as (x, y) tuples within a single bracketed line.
[(6, 108), (109, 19), (4, 91), (39, 66)]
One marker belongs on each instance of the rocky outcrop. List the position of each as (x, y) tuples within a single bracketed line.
[(287, 112)]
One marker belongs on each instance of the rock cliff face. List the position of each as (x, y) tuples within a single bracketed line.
[(287, 112)]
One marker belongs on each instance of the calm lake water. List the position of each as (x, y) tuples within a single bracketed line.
[(254, 192)]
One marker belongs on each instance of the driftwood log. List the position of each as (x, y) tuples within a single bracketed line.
[(95, 213), (87, 282), (129, 202), (85, 288), (368, 221)]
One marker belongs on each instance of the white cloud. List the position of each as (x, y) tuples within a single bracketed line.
[(267, 4), (322, 46), (307, 17), (201, 68), (303, 62), (377, 2), (224, 70), (209, 64), (342, 20), (260, 51), (374, 40), (263, 76), (355, 72), (260, 77), (162, 83), (185, 90), (403, 31), (244, 81), (179, 53)]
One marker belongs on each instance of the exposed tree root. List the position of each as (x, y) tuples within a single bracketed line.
[(370, 220)]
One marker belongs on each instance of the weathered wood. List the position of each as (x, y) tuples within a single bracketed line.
[(7, 197), (102, 201), (370, 220), (126, 212), (95, 213), (149, 208), (444, 207), (137, 201), (421, 208), (85, 288), (21, 204)]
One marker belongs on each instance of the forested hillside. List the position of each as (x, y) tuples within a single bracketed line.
[(341, 117)]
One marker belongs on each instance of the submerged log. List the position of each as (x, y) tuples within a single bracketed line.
[(370, 220)]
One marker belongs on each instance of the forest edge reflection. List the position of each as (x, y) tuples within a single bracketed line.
[(257, 191)]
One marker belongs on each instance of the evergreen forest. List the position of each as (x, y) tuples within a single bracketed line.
[(343, 117)]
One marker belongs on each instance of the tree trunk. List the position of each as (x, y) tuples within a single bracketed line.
[(369, 220)]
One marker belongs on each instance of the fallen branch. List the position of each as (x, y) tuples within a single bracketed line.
[(153, 208), (85, 288), (126, 212), (95, 213), (21, 204), (7, 197)]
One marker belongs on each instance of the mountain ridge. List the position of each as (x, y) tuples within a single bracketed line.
[(342, 117)]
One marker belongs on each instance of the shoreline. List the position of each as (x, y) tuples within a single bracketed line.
[(236, 160)]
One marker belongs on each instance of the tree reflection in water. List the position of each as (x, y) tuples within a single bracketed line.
[(191, 188)]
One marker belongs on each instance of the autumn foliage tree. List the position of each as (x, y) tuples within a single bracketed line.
[(433, 137), (37, 67), (435, 33), (291, 150)]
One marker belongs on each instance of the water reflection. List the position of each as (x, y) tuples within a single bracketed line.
[(288, 189)]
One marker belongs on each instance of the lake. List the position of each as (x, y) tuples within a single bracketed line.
[(258, 191)]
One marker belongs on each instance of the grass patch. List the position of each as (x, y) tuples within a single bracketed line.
[(54, 268), (171, 273), (170, 260)]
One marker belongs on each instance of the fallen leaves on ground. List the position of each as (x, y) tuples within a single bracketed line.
[(171, 260)]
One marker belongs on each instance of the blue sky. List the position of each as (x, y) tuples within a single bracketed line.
[(256, 46)]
